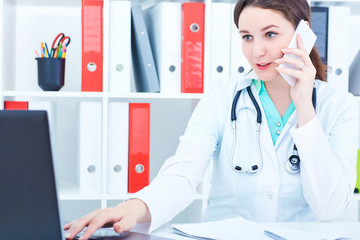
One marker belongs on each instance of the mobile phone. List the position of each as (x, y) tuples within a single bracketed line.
[(308, 37)]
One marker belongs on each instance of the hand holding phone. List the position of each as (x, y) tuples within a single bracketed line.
[(308, 37)]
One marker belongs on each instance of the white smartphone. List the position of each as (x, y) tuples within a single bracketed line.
[(308, 37)]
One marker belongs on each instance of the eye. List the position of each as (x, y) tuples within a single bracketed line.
[(271, 34), (247, 37)]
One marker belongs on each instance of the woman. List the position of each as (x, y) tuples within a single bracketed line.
[(257, 184)]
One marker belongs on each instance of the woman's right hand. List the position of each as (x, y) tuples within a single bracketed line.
[(123, 217)]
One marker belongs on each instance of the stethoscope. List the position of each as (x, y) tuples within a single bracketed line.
[(292, 165)]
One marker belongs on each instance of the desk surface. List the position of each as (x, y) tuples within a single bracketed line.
[(348, 229)]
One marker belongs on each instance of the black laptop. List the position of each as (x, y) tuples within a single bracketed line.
[(28, 200), (29, 206)]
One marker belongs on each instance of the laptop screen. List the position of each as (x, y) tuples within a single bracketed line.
[(28, 198)]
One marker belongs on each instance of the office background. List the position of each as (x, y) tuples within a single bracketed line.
[(24, 24)]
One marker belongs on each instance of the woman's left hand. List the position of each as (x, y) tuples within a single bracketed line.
[(301, 92)]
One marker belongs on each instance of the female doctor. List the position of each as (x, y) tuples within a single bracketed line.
[(252, 174)]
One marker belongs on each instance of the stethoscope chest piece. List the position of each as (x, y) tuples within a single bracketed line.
[(293, 164)]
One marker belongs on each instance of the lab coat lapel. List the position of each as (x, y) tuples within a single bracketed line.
[(245, 101), (292, 121), (265, 136)]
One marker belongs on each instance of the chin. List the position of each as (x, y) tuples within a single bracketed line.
[(267, 75)]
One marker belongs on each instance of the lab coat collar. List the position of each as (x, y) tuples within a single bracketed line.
[(246, 81)]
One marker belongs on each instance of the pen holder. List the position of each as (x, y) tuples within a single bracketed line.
[(51, 72)]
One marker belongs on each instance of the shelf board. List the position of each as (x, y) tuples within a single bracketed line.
[(142, 95), (52, 94), (46, 3), (97, 95)]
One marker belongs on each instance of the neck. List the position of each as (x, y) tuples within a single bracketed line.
[(279, 92), (277, 86)]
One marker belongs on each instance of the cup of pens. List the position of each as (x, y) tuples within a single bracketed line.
[(51, 64)]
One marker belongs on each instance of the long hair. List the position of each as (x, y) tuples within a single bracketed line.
[(293, 11)]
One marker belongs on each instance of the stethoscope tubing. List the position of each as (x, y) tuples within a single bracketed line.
[(292, 165)]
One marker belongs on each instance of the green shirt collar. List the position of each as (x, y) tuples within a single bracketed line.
[(258, 84), (275, 122)]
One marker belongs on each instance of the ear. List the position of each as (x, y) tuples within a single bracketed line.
[(307, 23)]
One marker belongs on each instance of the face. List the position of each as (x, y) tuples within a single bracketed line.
[(264, 33)]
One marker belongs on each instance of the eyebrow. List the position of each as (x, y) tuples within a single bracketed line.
[(263, 29)]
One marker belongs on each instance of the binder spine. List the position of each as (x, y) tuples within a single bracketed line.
[(192, 47), (118, 147), (139, 146), (319, 24), (146, 77), (92, 45), (90, 145), (357, 185), (220, 43), (120, 46), (16, 105), (239, 64), (338, 34), (163, 22)]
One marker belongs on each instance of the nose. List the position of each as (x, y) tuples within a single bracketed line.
[(259, 49)]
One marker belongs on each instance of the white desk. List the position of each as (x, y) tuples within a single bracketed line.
[(350, 229)]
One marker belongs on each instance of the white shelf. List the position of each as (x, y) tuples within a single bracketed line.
[(97, 95), (47, 3), (156, 95), (50, 94)]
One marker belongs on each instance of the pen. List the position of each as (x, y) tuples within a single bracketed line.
[(273, 235), (56, 53), (47, 50), (63, 51), (59, 48), (42, 50), (37, 54), (43, 46)]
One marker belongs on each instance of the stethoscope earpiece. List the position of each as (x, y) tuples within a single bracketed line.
[(252, 171)]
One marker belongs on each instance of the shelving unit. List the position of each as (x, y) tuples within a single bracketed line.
[(26, 23)]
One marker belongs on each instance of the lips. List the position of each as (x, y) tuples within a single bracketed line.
[(262, 66)]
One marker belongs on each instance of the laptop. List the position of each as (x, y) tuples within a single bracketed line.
[(29, 207)]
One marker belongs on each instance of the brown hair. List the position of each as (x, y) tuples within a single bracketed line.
[(294, 11)]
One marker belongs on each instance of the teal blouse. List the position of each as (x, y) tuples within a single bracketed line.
[(275, 121)]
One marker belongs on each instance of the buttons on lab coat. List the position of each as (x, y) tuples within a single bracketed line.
[(278, 124), (270, 196), (278, 132)]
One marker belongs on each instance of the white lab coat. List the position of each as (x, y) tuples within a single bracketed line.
[(327, 147)]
